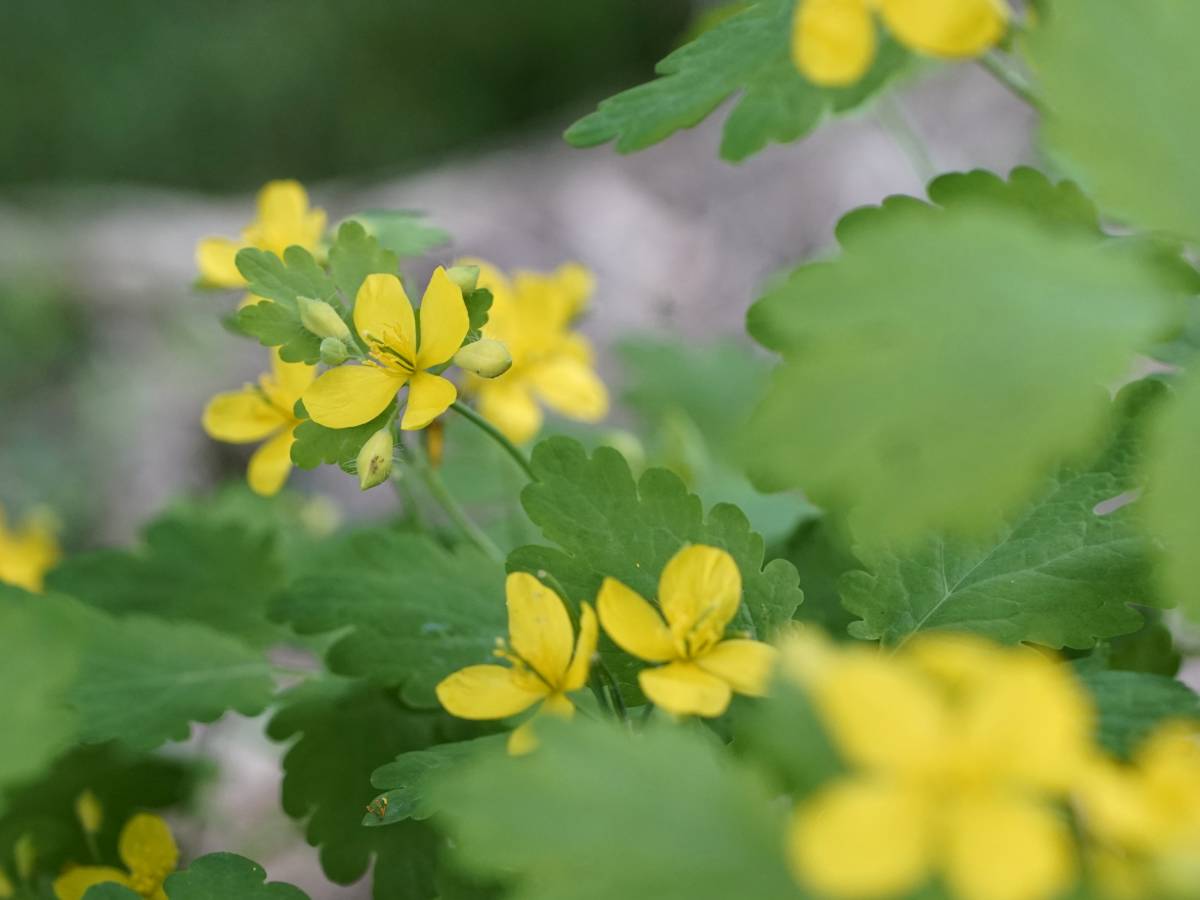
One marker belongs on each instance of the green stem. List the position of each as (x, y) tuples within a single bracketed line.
[(438, 490), (894, 119), (412, 509), (494, 433), (617, 701), (999, 69)]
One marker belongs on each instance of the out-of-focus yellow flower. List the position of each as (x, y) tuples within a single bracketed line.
[(1145, 817), (546, 662), (258, 412), (532, 315), (284, 218), (698, 595), (352, 394), (833, 41), (89, 812), (959, 752), (28, 551), (149, 853)]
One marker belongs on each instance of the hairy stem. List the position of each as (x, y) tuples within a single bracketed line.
[(494, 433)]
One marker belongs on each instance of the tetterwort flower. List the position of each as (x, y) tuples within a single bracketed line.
[(532, 314), (959, 752), (352, 394), (284, 218), (698, 594), (546, 662), (148, 851), (27, 551), (833, 41), (262, 411)]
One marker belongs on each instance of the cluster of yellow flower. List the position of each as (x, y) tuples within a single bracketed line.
[(695, 669), (969, 762), (145, 845), (531, 316), (28, 551)]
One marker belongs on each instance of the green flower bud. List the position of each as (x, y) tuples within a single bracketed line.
[(333, 351), (466, 277), (486, 358), (89, 812), (375, 459), (322, 319), (25, 856)]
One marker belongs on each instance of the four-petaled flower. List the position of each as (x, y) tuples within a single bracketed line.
[(532, 314), (353, 394), (833, 41), (546, 662), (284, 219), (149, 853), (959, 753), (28, 551), (698, 595), (262, 411)]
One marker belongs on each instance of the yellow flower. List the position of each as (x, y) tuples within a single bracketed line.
[(698, 593), (258, 412), (546, 661), (149, 853), (28, 552), (284, 219), (958, 750), (531, 314), (833, 41), (1145, 817), (352, 394)]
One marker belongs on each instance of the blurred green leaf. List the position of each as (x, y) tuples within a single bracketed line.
[(229, 877), (1150, 649), (1058, 574), (597, 814), (748, 53), (315, 444), (935, 371), (276, 325), (821, 554), (284, 281), (355, 254), (1131, 704), (407, 779), (401, 232)]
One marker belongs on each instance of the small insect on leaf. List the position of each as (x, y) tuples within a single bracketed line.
[(378, 807)]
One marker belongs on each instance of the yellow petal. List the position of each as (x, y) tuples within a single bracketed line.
[(74, 883), (507, 403), (1004, 847), (384, 314), (350, 395), (539, 628), (290, 381), (215, 260), (634, 624), (744, 665), (951, 28), (570, 387), (487, 692), (685, 689), (444, 320), (858, 838), (271, 464), (699, 592), (428, 397), (148, 849), (833, 41), (29, 552), (240, 417), (577, 284), (585, 649), (523, 739), (283, 201)]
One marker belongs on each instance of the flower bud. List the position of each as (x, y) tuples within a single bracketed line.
[(322, 319), (486, 358), (333, 351), (375, 459), (89, 812), (6, 887), (466, 277), (25, 856)]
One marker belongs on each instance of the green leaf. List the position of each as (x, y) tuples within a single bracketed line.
[(479, 303), (1132, 704), (598, 814), (402, 231), (406, 780), (1057, 574), (346, 730), (355, 255), (608, 524), (229, 877), (747, 53), (412, 611), (937, 369), (315, 444), (1173, 494), (1117, 81), (110, 890), (192, 566), (820, 553), (285, 280), (1149, 649), (276, 325)]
